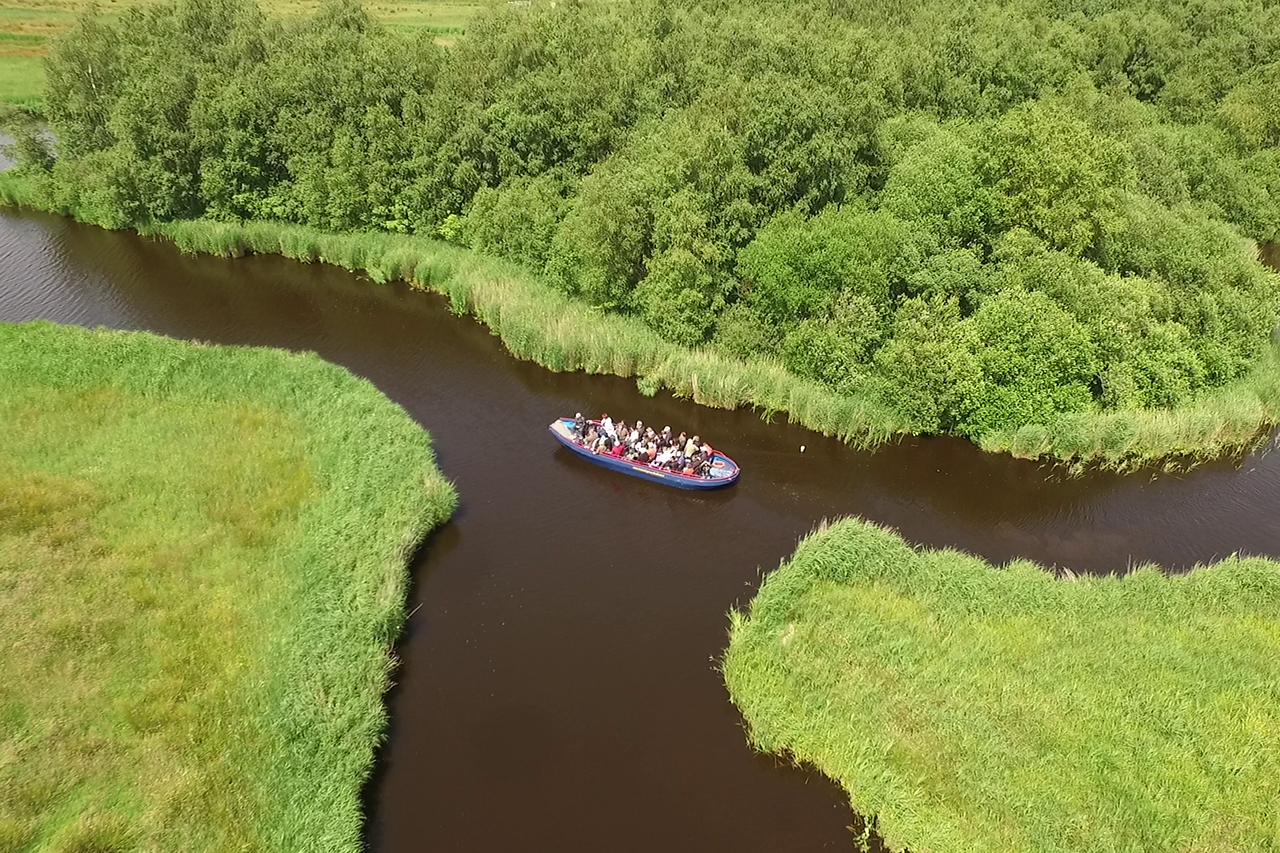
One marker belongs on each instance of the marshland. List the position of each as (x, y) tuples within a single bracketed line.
[(901, 262), (971, 707)]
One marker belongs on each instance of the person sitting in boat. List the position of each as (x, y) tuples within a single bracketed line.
[(604, 443), (664, 457), (606, 426), (706, 454), (579, 427), (691, 446)]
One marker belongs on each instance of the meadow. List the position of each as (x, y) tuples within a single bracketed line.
[(203, 564), (967, 707), (26, 27)]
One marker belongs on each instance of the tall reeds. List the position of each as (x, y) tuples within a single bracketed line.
[(966, 707), (203, 565), (539, 323), (1221, 422)]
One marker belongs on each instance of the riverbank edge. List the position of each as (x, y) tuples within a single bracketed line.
[(790, 712), (379, 494), (541, 324)]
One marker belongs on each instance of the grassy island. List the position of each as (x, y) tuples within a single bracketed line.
[(203, 563), (973, 708), (1030, 224)]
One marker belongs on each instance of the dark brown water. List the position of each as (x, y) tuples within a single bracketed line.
[(559, 689)]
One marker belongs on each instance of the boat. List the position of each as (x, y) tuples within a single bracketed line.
[(724, 471)]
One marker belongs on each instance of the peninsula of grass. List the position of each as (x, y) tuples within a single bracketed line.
[(972, 708), (203, 564)]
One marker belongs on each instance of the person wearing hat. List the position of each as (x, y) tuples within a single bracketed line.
[(579, 426)]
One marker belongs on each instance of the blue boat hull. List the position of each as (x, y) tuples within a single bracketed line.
[(724, 471)]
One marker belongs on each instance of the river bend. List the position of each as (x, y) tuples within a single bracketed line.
[(559, 689)]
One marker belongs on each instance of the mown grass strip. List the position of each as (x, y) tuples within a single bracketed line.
[(203, 563), (973, 708), (539, 323)]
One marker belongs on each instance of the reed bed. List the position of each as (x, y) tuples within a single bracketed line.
[(203, 564), (538, 323), (1223, 422), (965, 707)]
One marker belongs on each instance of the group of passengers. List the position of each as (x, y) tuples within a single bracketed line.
[(681, 454)]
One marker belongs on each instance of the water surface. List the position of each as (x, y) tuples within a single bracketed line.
[(559, 689)]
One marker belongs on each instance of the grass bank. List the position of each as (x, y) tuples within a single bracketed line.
[(202, 571), (539, 323), (971, 708)]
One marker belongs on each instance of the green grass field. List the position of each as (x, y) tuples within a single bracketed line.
[(971, 708), (27, 25), (202, 570)]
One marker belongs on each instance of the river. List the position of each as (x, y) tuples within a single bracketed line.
[(559, 688)]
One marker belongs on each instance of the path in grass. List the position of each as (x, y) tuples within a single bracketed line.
[(26, 27), (202, 571), (976, 709)]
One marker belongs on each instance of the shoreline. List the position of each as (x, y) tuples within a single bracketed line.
[(243, 518), (964, 706), (540, 324)]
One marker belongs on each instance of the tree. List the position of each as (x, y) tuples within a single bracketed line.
[(1054, 176)]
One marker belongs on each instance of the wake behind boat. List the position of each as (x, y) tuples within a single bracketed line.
[(719, 470)]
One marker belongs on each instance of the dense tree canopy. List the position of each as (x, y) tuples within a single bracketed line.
[(986, 213)]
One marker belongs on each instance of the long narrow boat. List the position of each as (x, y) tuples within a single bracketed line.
[(724, 470)]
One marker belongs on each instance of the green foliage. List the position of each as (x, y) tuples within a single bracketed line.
[(796, 266), (805, 181), (202, 573), (929, 364), (937, 184), (1035, 361), (837, 350), (517, 220), (1054, 176), (968, 707)]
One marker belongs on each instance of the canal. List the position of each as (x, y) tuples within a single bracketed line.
[(559, 687)]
